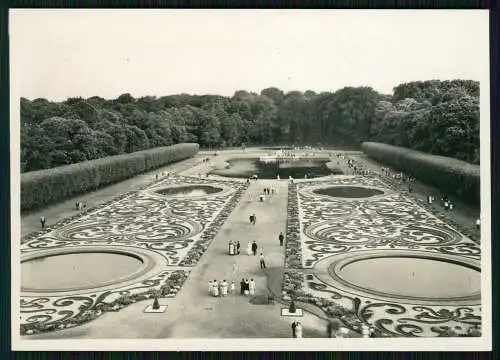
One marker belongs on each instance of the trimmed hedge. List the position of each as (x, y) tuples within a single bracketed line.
[(44, 187), (450, 175)]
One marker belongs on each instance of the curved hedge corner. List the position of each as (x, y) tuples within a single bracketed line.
[(44, 187), (450, 175)]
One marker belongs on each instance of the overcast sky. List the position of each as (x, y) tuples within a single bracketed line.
[(57, 54)]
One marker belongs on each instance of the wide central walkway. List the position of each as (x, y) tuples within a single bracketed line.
[(196, 314)]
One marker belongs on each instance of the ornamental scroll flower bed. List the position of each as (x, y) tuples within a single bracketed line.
[(181, 245), (88, 312), (326, 229)]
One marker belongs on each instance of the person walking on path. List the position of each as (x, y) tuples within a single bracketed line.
[(281, 237), (232, 287), (251, 287), (262, 261), (242, 286), (254, 248), (221, 285), (215, 291), (249, 248), (298, 330), (478, 223), (294, 329), (251, 219), (238, 245), (234, 267), (42, 221), (247, 287)]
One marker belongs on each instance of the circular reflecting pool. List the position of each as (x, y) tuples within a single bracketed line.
[(298, 169), (348, 191), (412, 277), (189, 190), (74, 271)]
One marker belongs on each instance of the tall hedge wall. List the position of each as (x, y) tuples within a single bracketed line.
[(452, 176), (44, 187)]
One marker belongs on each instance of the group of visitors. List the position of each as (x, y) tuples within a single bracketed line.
[(262, 195), (80, 205), (297, 329), (247, 287), (447, 204), (234, 247), (221, 288)]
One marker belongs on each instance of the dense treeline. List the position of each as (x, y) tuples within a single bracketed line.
[(440, 117)]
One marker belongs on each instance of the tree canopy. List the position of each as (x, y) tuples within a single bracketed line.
[(439, 117)]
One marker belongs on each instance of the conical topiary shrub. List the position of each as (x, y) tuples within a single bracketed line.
[(156, 304), (292, 308)]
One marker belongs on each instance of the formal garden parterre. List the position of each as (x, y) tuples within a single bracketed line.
[(167, 232), (326, 235)]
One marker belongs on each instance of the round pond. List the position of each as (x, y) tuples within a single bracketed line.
[(189, 190), (75, 271), (348, 191), (412, 277)]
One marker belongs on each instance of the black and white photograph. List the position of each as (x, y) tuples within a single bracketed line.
[(250, 179)]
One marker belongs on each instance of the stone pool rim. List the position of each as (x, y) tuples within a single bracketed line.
[(328, 271), (152, 263), (153, 190), (311, 191)]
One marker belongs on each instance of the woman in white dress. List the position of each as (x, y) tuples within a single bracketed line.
[(251, 287), (215, 291), (232, 288), (298, 330), (224, 288), (249, 248)]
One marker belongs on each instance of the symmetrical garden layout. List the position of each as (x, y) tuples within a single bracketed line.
[(158, 232), (356, 250), (370, 255)]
